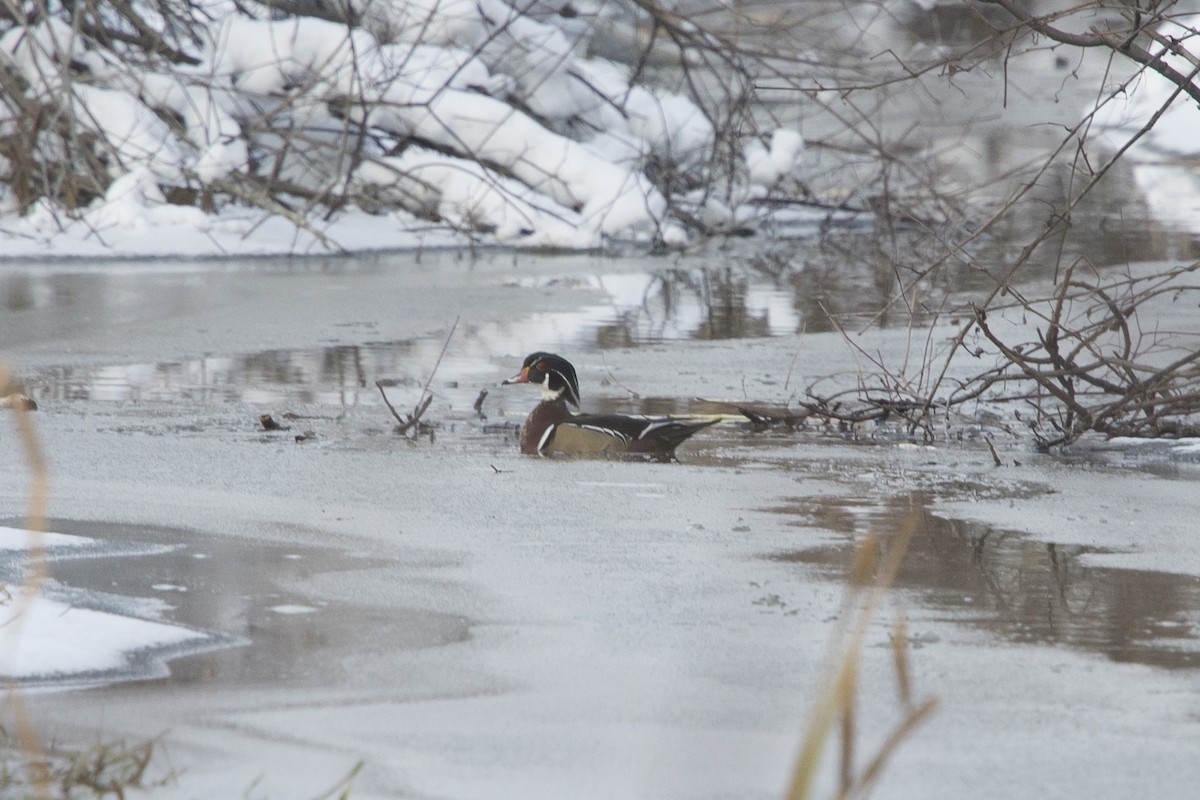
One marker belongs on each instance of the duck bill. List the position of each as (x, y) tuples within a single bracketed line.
[(520, 377)]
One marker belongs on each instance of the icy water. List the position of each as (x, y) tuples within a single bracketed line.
[(738, 292), (1003, 582), (237, 590), (1012, 586), (381, 598)]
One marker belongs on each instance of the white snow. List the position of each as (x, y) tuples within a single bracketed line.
[(43, 638), (446, 72), (538, 143), (770, 164), (215, 132), (1175, 132), (467, 196), (1172, 191), (20, 539), (139, 138)]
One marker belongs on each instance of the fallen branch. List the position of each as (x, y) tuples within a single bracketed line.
[(406, 422)]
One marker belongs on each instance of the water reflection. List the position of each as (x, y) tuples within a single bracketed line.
[(336, 375), (239, 589), (674, 303), (1017, 587), (705, 302), (841, 279), (858, 277), (774, 290)]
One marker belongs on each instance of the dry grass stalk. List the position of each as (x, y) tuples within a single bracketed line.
[(35, 575), (341, 789), (899, 640), (838, 691)]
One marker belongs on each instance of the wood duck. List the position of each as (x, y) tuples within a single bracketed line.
[(553, 428)]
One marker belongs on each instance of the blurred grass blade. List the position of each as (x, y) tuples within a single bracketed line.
[(899, 639), (35, 573), (839, 689)]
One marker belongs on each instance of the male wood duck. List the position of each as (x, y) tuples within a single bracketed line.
[(553, 428)]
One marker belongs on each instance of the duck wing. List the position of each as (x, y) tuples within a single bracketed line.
[(616, 432)]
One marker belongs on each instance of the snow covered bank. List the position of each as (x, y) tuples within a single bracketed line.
[(1171, 188), (1174, 133), (297, 134)]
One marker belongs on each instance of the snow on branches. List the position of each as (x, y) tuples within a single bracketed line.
[(483, 117)]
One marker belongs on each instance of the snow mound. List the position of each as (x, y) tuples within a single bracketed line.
[(480, 116)]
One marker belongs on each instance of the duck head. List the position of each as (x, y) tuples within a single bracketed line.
[(553, 374)]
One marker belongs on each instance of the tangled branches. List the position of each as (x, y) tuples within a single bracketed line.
[(1117, 355), (1101, 359)]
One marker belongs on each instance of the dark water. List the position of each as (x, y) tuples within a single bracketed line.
[(1005, 583), (1013, 586), (732, 292), (258, 630)]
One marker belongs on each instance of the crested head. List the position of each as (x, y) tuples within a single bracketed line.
[(553, 374)]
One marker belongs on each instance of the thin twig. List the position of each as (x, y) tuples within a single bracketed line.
[(406, 423), (438, 363)]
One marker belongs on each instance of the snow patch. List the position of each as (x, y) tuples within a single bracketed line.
[(50, 636), (1174, 133), (19, 539), (44, 638)]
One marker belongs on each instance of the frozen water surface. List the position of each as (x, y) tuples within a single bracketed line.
[(480, 624), (468, 623)]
